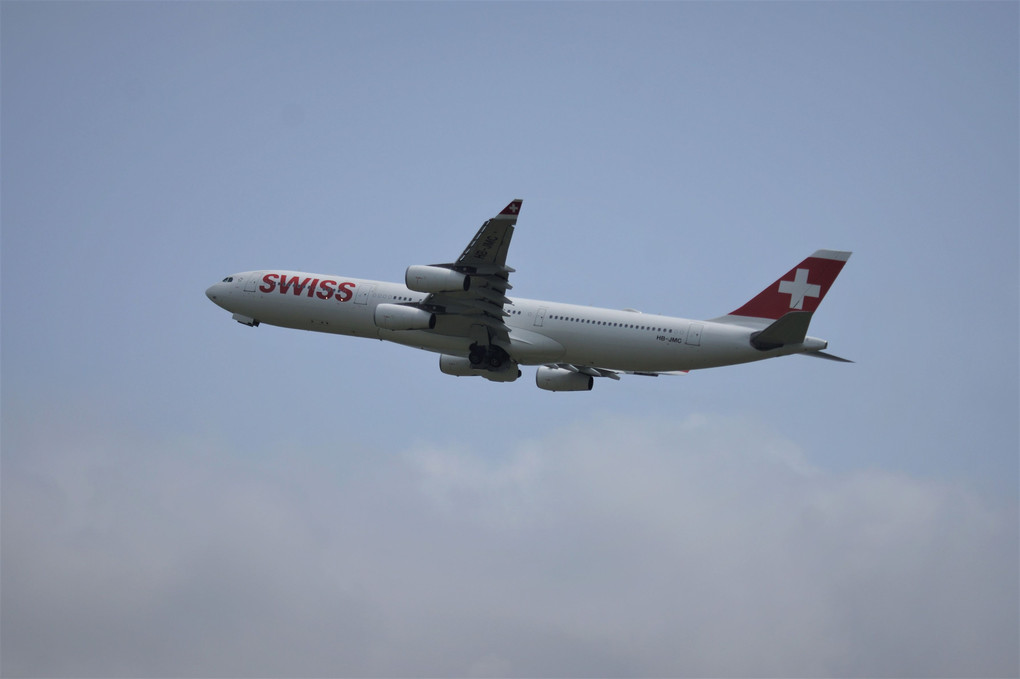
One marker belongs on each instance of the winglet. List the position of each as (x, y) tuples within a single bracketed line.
[(513, 208)]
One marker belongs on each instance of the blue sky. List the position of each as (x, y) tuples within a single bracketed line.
[(183, 495)]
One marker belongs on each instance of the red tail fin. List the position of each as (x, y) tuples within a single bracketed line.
[(801, 289)]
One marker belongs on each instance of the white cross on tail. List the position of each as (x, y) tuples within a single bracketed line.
[(799, 288)]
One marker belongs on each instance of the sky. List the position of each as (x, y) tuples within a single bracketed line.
[(185, 496)]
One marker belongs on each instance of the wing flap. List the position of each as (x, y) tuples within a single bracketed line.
[(612, 374)]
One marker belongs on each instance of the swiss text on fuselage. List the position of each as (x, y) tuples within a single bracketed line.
[(321, 288)]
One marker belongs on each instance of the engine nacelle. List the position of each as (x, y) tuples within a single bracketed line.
[(460, 366), (435, 279), (560, 379), (400, 317)]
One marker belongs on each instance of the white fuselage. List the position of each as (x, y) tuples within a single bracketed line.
[(540, 332)]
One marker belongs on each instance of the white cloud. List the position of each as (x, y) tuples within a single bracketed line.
[(623, 546)]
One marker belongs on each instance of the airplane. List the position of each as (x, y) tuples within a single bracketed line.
[(461, 311)]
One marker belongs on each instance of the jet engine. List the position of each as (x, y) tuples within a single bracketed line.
[(435, 279), (460, 366), (400, 317), (560, 379)]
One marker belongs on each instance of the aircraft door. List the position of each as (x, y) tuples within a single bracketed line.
[(540, 317), (694, 334), (253, 280), (363, 293)]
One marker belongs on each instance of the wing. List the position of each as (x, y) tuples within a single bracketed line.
[(478, 312)]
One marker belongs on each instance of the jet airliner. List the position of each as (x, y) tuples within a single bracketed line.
[(461, 311)]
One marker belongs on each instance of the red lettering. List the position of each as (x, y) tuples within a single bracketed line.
[(323, 289), (268, 282), (343, 293), (293, 282), (327, 288)]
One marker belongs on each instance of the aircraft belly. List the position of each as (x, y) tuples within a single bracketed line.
[(527, 348), (650, 351), (533, 348), (429, 341), (639, 357), (305, 313)]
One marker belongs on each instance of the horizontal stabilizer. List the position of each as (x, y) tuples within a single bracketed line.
[(790, 329), (829, 357)]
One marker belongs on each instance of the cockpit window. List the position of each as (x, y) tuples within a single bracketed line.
[(228, 279)]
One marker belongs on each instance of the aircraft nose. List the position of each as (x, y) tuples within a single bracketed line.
[(211, 292)]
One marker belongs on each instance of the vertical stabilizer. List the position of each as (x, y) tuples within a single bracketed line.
[(801, 289)]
